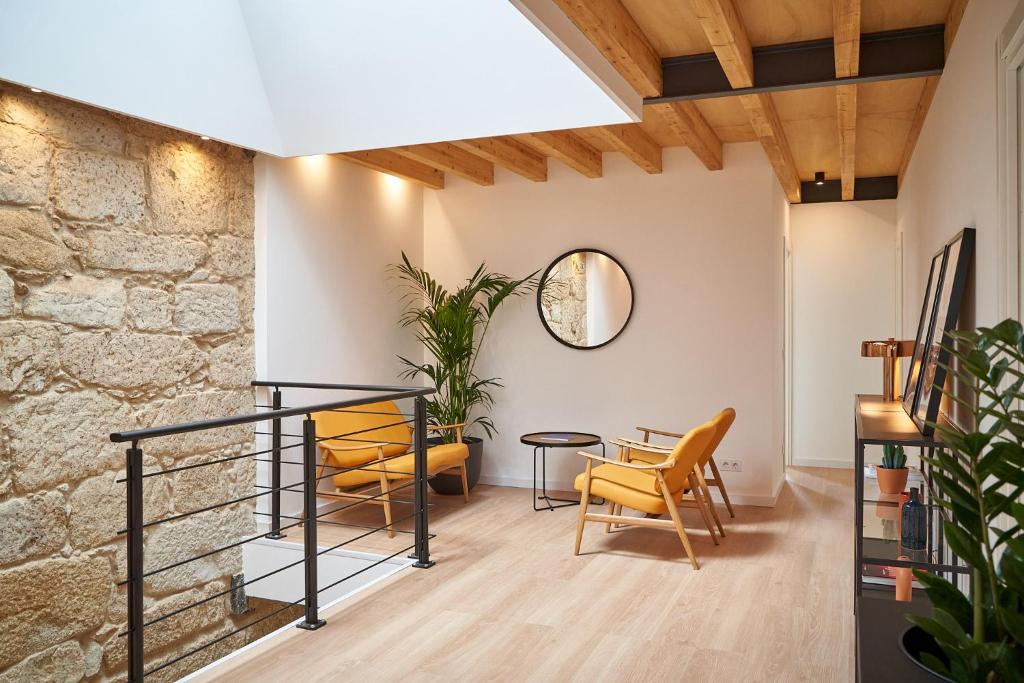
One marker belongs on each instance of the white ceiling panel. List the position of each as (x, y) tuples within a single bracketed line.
[(314, 76)]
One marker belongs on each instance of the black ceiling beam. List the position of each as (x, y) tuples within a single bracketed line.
[(889, 55), (881, 187)]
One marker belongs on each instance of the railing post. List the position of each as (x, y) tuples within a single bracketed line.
[(275, 470), (312, 620), (422, 555), (133, 475)]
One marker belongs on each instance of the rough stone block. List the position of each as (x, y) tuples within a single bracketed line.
[(79, 300), (61, 438), (143, 253), (32, 526), (6, 294), (129, 360), (188, 189), (98, 506), (176, 541), (27, 240), (28, 355), (149, 309), (187, 407), (50, 601), (24, 166), (233, 256), (64, 663), (247, 302), (204, 309), (94, 186), (232, 364), (242, 202), (71, 124), (201, 486)]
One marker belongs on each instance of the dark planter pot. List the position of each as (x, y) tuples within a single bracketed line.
[(916, 640), (448, 484)]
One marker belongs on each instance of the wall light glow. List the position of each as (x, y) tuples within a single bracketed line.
[(35, 90)]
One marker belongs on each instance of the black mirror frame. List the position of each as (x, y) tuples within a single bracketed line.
[(540, 292)]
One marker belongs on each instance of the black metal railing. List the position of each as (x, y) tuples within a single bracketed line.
[(274, 413)]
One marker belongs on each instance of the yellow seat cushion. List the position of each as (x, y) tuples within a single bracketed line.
[(636, 489), (343, 432), (440, 457), (636, 455)]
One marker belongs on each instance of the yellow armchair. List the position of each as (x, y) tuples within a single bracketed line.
[(377, 439), (652, 488)]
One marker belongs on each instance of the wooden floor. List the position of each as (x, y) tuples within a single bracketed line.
[(507, 600)]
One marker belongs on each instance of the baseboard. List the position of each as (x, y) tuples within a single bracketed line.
[(736, 498), (821, 462)]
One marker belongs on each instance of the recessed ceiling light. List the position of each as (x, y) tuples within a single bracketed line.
[(819, 178), (35, 90), (204, 137)]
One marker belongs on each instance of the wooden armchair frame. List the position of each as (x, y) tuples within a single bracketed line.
[(383, 497), (675, 524), (715, 480)]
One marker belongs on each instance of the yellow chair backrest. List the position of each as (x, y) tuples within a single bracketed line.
[(722, 422), (365, 424), (685, 455)]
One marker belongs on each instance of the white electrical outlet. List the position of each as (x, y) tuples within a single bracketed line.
[(737, 465), (726, 465)]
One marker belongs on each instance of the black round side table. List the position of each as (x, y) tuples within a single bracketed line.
[(542, 441)]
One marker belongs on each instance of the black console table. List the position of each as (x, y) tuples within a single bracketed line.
[(879, 617)]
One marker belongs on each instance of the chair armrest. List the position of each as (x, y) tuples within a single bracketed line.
[(660, 466), (354, 448), (641, 446), (434, 428), (651, 430)]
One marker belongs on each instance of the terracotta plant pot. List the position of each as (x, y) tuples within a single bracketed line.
[(892, 480)]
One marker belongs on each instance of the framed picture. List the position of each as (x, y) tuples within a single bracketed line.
[(924, 324), (949, 297)]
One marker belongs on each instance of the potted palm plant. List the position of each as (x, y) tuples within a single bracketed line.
[(452, 326), (980, 638), (893, 472)]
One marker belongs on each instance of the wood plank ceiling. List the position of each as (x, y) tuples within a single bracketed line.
[(848, 131)]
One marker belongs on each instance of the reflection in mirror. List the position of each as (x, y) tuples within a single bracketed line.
[(585, 298)]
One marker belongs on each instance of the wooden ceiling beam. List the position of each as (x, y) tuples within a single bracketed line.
[(612, 29), (953, 19), (445, 156), (768, 128), (568, 148), (686, 121), (636, 145), (510, 154), (846, 36), (724, 29), (392, 163)]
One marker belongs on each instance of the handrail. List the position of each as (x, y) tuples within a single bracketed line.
[(214, 423), (322, 385)]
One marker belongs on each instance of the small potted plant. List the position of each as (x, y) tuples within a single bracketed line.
[(892, 473), (980, 637)]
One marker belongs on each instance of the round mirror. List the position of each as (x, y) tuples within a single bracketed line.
[(585, 298)]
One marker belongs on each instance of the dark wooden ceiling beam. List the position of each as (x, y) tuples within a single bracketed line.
[(889, 55)]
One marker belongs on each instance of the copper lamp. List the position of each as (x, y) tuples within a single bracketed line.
[(888, 350)]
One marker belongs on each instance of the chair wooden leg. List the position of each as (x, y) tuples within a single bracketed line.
[(385, 489), (611, 511), (465, 483), (706, 492), (720, 485), (674, 513), (698, 498), (584, 504)]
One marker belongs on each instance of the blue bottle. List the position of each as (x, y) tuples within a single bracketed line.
[(914, 523)]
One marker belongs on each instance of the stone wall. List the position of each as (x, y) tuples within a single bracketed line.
[(126, 300), (565, 299)]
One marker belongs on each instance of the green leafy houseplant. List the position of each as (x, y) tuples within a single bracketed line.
[(893, 457), (452, 326), (982, 475)]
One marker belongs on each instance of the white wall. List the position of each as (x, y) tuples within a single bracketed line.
[(608, 298), (951, 181), (326, 308), (706, 330), (844, 292)]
